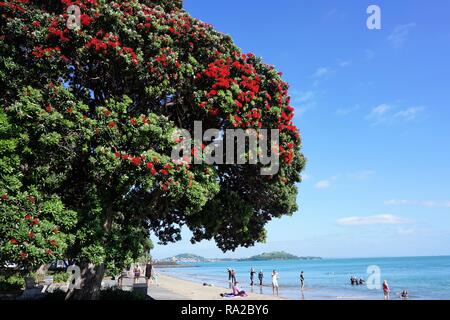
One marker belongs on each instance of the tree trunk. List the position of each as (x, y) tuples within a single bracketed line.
[(91, 274), (91, 282)]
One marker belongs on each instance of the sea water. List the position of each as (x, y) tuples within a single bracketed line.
[(423, 277)]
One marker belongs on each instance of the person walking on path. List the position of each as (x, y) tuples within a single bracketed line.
[(386, 290), (260, 277), (148, 272), (252, 276), (137, 273), (123, 274), (302, 280), (275, 282)]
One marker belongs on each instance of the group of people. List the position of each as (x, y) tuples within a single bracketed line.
[(386, 290), (354, 281), (149, 274), (274, 277)]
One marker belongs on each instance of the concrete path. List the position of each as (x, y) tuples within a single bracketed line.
[(154, 291)]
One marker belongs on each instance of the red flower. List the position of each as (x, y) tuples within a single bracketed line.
[(49, 252), (136, 161), (107, 113), (117, 154), (31, 235), (214, 112), (133, 122), (23, 254), (149, 166), (52, 242), (69, 110), (167, 167), (111, 124), (36, 23), (13, 241), (35, 221), (153, 171), (164, 172), (5, 197), (86, 20), (49, 107), (28, 217)]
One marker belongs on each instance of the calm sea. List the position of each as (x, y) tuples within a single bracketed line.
[(423, 277)]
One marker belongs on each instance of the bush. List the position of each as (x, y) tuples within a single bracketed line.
[(11, 283), (118, 294), (61, 277)]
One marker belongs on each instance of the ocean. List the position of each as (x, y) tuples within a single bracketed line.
[(423, 277)]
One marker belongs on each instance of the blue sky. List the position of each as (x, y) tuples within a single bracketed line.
[(373, 107)]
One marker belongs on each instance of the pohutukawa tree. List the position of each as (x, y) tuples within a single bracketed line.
[(88, 116)]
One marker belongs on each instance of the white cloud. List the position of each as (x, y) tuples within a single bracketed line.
[(362, 175), (380, 110), (343, 63), (305, 177), (321, 72), (303, 100), (372, 220), (409, 114), (323, 184), (427, 204), (398, 37), (390, 114), (346, 111)]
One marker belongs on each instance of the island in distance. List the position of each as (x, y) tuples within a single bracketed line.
[(276, 255)]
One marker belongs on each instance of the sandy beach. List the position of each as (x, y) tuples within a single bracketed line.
[(182, 289)]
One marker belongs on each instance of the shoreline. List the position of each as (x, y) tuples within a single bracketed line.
[(190, 290)]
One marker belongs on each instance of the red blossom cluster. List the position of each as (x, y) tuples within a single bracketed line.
[(158, 169), (40, 52), (14, 5), (111, 41), (222, 74)]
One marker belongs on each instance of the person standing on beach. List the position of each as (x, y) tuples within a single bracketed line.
[(386, 290), (302, 280), (230, 276), (252, 275), (260, 277), (275, 282), (233, 276), (148, 272)]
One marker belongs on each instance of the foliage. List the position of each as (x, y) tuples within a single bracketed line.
[(89, 115), (118, 294), (60, 277), (11, 283), (276, 255)]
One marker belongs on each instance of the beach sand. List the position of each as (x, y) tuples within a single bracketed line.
[(173, 288)]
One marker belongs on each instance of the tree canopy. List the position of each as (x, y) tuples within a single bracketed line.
[(88, 116)]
